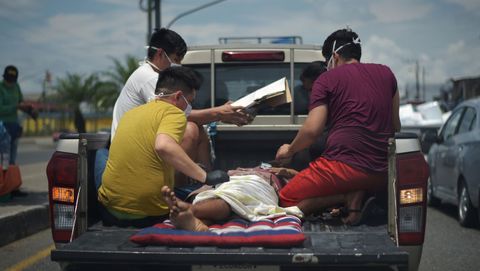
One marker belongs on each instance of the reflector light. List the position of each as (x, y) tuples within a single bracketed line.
[(63, 194), (410, 219), (63, 216), (229, 56), (412, 176), (414, 195), (62, 169)]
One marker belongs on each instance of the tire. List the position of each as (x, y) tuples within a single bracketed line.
[(467, 215), (431, 199)]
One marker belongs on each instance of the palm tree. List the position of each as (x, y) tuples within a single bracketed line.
[(73, 90), (115, 80)]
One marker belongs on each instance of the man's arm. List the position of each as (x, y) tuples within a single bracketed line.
[(395, 112), (170, 151), (308, 133), (225, 113)]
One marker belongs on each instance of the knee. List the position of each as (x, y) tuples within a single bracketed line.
[(198, 211), (286, 201), (192, 132)]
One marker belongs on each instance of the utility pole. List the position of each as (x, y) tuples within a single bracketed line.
[(149, 19), (423, 83), (152, 6), (417, 81), (158, 13), (47, 85)]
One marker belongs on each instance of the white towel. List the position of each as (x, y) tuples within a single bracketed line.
[(250, 197)]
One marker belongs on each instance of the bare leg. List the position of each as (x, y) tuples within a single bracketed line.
[(195, 143), (204, 154), (353, 201), (312, 205), (180, 213), (212, 210)]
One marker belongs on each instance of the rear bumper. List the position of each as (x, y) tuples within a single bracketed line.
[(348, 250)]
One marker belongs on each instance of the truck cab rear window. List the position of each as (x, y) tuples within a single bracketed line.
[(235, 81)]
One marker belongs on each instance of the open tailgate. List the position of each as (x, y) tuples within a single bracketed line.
[(338, 250)]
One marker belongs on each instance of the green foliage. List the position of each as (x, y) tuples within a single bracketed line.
[(75, 89), (116, 79), (120, 73)]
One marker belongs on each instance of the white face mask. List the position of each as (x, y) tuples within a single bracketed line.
[(187, 110), (172, 64), (331, 61)]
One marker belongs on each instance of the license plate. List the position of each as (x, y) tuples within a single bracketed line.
[(235, 267)]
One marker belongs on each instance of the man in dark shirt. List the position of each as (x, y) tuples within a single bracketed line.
[(311, 72), (360, 104), (302, 158)]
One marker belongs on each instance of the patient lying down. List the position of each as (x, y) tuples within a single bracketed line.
[(249, 194)]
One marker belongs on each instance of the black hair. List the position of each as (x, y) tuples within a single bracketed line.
[(178, 78), (313, 70), (169, 41), (341, 37), (10, 73)]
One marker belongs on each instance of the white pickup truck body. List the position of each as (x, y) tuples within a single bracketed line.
[(394, 243)]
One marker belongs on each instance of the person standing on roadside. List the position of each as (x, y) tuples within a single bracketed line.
[(11, 100), (360, 104)]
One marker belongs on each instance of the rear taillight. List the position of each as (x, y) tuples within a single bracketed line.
[(231, 56), (63, 190), (412, 176)]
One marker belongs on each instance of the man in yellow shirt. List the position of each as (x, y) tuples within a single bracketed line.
[(146, 151)]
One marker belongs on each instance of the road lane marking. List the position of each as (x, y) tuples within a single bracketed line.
[(32, 259)]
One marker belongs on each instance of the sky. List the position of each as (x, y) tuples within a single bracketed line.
[(83, 37)]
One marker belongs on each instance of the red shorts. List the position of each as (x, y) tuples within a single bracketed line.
[(325, 178)]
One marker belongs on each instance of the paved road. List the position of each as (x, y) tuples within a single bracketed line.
[(30, 152), (31, 253), (32, 159), (448, 246)]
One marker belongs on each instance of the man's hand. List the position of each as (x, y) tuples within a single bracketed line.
[(284, 172), (233, 114), (284, 156), (29, 110), (215, 177)]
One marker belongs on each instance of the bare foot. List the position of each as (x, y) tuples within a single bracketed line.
[(353, 202), (180, 213)]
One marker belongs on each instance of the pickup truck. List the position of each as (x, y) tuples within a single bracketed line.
[(231, 71)]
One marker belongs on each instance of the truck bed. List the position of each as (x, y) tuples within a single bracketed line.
[(333, 247)]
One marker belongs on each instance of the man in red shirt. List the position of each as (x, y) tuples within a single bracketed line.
[(360, 104)]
